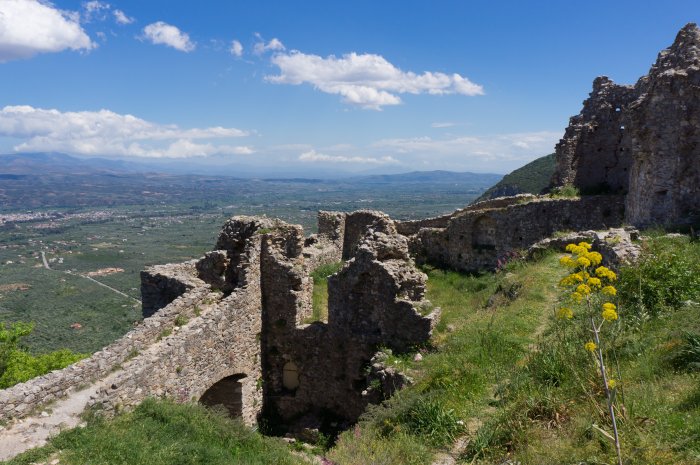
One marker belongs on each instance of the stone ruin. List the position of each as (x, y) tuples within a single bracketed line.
[(643, 140), (232, 328)]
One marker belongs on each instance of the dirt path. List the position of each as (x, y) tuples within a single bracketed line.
[(35, 431)]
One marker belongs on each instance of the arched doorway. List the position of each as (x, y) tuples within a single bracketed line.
[(228, 392)]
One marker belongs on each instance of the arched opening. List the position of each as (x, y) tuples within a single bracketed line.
[(484, 234), (228, 393), (290, 376)]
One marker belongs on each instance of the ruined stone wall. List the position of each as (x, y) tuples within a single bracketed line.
[(162, 284), (22, 398), (475, 240), (356, 225), (590, 156), (323, 367), (411, 227), (642, 140), (222, 341), (326, 246)]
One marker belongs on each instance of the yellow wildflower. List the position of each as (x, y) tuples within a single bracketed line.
[(583, 289), (565, 313), (594, 257), (609, 313), (570, 247), (590, 346), (583, 261), (585, 245), (605, 272), (612, 383), (609, 290), (567, 261), (578, 277), (577, 297), (594, 282)]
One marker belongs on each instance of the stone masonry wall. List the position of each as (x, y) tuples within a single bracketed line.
[(323, 367), (22, 398), (476, 240)]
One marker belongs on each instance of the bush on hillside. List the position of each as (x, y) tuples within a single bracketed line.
[(17, 365)]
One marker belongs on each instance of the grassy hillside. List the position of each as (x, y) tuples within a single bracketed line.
[(530, 179), (503, 377)]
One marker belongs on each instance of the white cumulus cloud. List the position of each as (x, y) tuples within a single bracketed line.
[(366, 80), (29, 27), (167, 34), (106, 133), (236, 48), (314, 156), (121, 18)]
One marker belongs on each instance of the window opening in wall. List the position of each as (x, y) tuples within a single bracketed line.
[(290, 376)]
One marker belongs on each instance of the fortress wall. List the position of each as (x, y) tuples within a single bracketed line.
[(19, 400), (476, 240), (161, 284), (411, 227), (222, 342)]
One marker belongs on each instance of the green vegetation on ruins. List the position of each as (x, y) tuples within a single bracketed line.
[(502, 372), (320, 294)]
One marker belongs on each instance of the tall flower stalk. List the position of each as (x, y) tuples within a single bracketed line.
[(591, 285)]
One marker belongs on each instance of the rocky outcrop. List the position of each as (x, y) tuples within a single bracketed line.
[(642, 140)]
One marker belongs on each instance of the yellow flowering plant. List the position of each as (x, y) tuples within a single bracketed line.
[(590, 286)]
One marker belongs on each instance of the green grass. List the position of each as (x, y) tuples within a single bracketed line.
[(163, 433), (320, 294), (552, 408)]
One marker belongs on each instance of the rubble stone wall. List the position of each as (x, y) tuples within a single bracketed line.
[(476, 240), (19, 400)]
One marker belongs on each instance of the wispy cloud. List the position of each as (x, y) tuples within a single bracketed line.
[(30, 27), (440, 125), (314, 156), (95, 11), (261, 47), (365, 80), (169, 35), (236, 48), (112, 134), (121, 18)]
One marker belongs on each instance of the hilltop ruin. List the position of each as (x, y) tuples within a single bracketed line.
[(642, 141), (232, 328)]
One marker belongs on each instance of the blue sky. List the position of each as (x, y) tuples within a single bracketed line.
[(313, 87)]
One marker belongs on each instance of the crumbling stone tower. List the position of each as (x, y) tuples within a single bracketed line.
[(642, 140)]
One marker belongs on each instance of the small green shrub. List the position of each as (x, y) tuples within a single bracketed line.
[(685, 356), (667, 276), (431, 420), (565, 191), (181, 320)]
